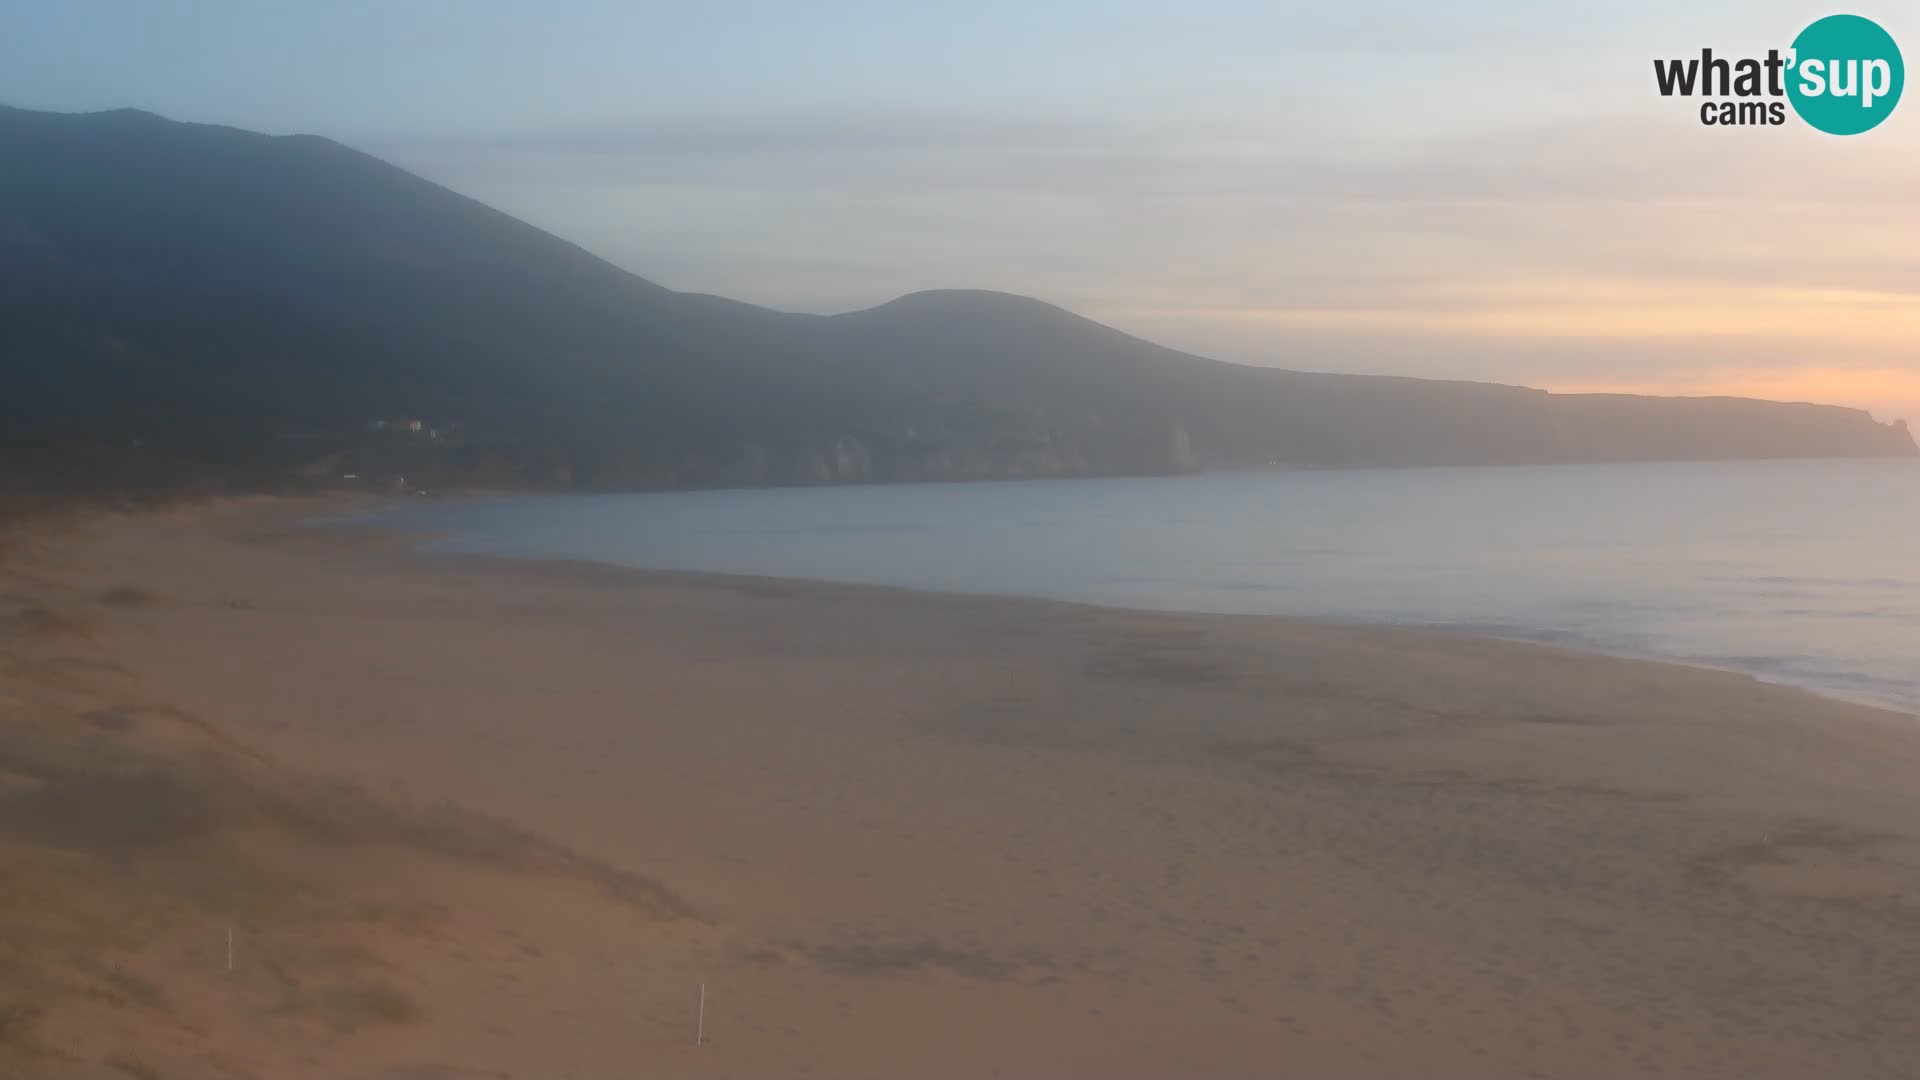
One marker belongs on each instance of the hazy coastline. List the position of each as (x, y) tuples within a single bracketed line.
[(1794, 572), (955, 541)]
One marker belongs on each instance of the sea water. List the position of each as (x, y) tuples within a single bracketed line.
[(1800, 572)]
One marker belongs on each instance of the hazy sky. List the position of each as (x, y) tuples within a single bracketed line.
[(1494, 190)]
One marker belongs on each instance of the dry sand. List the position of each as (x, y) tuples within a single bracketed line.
[(906, 835)]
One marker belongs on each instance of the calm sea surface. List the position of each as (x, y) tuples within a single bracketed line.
[(1798, 572)]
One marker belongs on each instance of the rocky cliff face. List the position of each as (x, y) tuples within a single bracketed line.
[(1560, 431)]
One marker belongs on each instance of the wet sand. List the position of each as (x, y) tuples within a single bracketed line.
[(922, 835)]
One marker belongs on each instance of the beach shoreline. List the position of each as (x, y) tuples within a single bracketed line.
[(1121, 842), (424, 542), (1821, 606)]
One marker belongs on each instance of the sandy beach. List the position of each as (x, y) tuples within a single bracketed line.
[(479, 817)]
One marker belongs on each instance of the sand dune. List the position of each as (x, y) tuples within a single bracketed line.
[(900, 834)]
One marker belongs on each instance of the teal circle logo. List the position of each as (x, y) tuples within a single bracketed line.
[(1846, 75)]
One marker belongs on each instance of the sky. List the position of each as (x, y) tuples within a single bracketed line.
[(1486, 190)]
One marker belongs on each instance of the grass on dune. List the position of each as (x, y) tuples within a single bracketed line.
[(113, 839)]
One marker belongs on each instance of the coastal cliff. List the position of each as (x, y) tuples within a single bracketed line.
[(279, 305)]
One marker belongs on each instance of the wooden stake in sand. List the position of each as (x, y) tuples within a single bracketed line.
[(700, 1024), (229, 950)]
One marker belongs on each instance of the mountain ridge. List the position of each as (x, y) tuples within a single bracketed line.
[(211, 292)]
